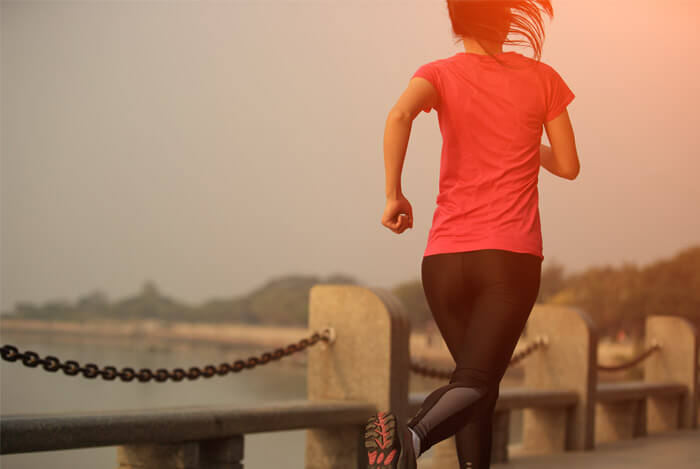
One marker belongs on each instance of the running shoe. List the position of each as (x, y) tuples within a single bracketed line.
[(389, 444)]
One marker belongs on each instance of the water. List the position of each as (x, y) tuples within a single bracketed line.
[(25, 390)]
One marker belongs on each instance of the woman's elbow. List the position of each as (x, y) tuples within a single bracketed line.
[(572, 173)]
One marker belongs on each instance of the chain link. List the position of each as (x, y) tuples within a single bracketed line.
[(654, 347), (90, 370)]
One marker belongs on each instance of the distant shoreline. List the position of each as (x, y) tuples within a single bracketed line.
[(162, 334), (225, 334)]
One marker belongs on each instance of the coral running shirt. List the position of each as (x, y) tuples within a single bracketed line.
[(491, 119)]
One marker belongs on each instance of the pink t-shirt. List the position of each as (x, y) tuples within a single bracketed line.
[(491, 120)]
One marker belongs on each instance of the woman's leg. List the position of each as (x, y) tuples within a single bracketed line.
[(480, 301), (509, 303)]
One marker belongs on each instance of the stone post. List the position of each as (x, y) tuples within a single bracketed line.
[(676, 361), (368, 362), (620, 420), (223, 453), (155, 456), (567, 363)]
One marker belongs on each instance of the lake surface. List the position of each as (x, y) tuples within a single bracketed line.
[(25, 390)]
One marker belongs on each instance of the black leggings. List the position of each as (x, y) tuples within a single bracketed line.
[(480, 301)]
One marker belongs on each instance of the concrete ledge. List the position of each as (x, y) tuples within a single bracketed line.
[(51, 432), (635, 390)]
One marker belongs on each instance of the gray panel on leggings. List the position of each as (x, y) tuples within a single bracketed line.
[(453, 401)]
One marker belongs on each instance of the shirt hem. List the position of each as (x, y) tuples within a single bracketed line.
[(447, 245)]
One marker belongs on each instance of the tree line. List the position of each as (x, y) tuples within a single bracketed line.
[(616, 298)]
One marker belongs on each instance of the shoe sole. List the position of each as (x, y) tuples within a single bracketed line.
[(382, 441)]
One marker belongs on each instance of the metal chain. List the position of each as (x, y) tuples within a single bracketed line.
[(654, 347), (540, 341), (72, 368), (527, 350)]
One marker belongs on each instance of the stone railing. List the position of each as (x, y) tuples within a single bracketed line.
[(366, 369)]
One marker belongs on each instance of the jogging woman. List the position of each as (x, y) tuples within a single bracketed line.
[(482, 264)]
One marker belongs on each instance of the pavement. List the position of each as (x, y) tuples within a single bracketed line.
[(677, 450)]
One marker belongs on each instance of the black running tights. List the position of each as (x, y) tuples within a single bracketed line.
[(480, 301)]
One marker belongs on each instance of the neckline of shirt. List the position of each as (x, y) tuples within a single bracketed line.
[(485, 56)]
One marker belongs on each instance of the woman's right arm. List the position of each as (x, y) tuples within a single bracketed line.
[(562, 158)]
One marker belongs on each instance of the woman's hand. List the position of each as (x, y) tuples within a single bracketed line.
[(398, 214)]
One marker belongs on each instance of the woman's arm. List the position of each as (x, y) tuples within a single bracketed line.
[(396, 135), (549, 162), (419, 95), (562, 158)]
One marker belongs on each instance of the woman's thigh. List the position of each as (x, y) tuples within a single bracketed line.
[(480, 301), (448, 296)]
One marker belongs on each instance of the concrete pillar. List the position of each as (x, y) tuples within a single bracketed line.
[(620, 420), (567, 363), (159, 456), (368, 362), (225, 453), (676, 361)]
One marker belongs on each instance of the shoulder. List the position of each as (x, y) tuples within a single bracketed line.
[(431, 71), (437, 64), (538, 65), (545, 69), (541, 71)]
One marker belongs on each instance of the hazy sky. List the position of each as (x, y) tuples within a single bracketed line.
[(209, 146)]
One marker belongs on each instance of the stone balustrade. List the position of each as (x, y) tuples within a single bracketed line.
[(366, 369)]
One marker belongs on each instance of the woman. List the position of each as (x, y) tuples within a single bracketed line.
[(482, 263)]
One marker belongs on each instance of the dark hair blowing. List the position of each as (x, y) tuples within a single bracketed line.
[(495, 20)]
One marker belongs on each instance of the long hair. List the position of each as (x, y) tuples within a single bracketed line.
[(495, 20)]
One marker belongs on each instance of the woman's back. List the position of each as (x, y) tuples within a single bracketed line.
[(491, 117)]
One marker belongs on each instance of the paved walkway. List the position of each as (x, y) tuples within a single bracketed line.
[(677, 450)]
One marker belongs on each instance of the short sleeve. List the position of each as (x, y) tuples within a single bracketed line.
[(429, 72), (558, 94)]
